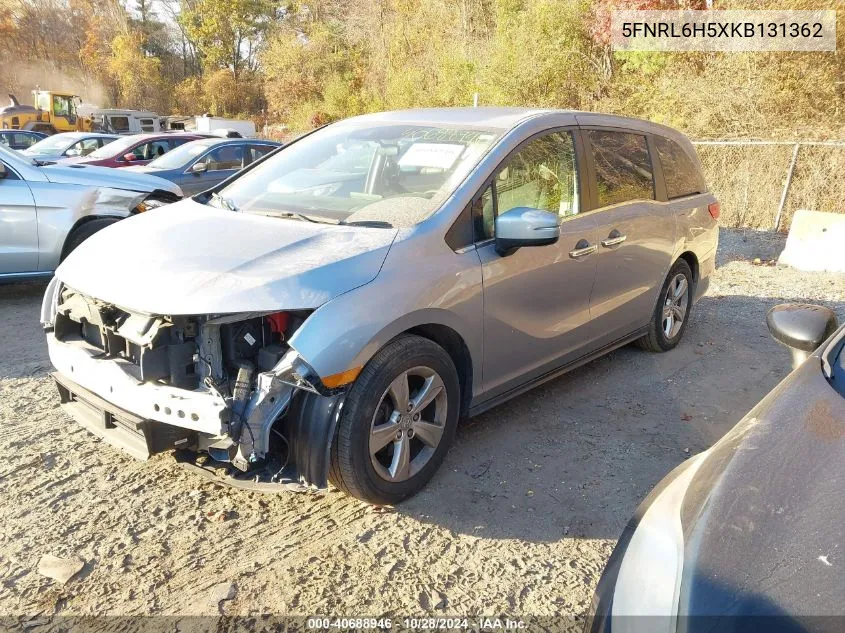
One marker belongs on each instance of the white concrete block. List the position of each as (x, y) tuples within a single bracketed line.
[(816, 241)]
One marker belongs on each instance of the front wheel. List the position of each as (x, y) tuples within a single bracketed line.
[(671, 315), (398, 422)]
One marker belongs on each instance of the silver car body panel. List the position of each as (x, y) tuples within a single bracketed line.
[(39, 205), (520, 318), (190, 258)]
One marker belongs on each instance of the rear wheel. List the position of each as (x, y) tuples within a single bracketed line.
[(398, 422), (83, 232), (671, 315)]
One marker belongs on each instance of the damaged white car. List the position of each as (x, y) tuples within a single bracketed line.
[(330, 312), (46, 211)]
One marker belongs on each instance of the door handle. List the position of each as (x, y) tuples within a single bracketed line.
[(613, 239), (582, 249)]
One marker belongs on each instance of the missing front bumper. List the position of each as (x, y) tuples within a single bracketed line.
[(308, 428), (122, 429)]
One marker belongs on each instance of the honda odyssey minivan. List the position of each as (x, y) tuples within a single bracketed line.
[(331, 312)]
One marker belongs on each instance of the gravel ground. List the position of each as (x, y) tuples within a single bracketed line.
[(520, 519)]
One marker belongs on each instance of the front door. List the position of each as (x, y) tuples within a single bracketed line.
[(635, 233), (18, 226), (536, 300)]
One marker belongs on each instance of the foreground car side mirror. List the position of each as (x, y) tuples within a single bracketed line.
[(801, 327), (198, 168), (3, 172), (525, 226)]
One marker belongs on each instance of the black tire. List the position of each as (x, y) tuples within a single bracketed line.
[(351, 468), (83, 232), (657, 339)]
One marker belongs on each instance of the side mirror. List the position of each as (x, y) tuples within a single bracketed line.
[(525, 226), (129, 157), (3, 172), (198, 168), (801, 327)]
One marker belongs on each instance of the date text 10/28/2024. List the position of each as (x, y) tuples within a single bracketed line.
[(417, 624)]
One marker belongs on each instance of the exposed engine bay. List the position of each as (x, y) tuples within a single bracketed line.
[(226, 391)]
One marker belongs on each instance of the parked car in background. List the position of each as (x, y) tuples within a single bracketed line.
[(66, 144), (137, 149), (321, 314), (20, 139), (201, 164), (747, 536), (46, 211)]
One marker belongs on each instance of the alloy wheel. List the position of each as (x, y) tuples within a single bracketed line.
[(675, 305), (408, 424)]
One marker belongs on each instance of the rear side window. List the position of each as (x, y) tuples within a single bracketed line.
[(623, 167), (679, 172), (257, 151)]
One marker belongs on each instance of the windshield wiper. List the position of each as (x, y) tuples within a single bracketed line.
[(378, 224), (298, 216), (224, 202)]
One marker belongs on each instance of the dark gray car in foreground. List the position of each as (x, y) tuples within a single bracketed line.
[(750, 534), (202, 164)]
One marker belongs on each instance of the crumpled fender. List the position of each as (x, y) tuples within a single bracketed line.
[(110, 202)]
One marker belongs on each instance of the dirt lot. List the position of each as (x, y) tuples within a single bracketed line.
[(520, 520)]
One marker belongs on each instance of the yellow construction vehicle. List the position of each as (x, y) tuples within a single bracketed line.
[(51, 112)]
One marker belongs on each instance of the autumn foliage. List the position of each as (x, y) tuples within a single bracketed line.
[(303, 63)]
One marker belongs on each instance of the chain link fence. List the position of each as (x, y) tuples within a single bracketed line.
[(761, 184)]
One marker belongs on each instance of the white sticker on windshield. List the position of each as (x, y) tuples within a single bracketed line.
[(439, 155)]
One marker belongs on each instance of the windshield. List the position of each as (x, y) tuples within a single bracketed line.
[(179, 156), (50, 145), (389, 174), (115, 148)]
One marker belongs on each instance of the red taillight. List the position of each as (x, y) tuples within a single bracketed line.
[(714, 208)]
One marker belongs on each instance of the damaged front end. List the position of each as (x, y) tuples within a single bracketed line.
[(226, 391)]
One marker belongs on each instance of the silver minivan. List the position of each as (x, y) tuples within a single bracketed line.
[(332, 311)]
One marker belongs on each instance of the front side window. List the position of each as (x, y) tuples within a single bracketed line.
[(679, 172), (541, 175), (380, 174), (623, 167)]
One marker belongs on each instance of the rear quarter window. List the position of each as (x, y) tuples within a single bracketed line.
[(679, 172)]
